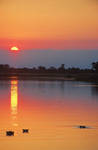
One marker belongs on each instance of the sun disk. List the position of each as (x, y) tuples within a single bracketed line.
[(14, 48)]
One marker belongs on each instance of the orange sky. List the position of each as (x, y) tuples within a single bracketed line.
[(57, 24)]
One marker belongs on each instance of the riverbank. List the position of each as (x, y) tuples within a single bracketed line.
[(93, 77)]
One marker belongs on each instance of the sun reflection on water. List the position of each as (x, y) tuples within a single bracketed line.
[(14, 100)]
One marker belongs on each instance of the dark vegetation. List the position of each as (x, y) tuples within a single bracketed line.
[(52, 73)]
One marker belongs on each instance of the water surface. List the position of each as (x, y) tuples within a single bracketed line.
[(52, 111)]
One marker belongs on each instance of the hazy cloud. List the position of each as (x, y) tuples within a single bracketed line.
[(31, 58)]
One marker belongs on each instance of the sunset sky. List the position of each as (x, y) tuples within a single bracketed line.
[(49, 24)]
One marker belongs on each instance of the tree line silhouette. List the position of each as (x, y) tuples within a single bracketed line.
[(52, 69), (79, 74)]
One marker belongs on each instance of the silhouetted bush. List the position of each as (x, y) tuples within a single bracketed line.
[(95, 66)]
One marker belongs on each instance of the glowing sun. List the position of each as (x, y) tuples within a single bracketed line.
[(14, 48)]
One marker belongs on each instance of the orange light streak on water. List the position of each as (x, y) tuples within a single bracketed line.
[(14, 99)]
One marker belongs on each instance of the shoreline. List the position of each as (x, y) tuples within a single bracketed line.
[(89, 77), (37, 78)]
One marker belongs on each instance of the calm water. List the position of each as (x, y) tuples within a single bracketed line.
[(52, 111)]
